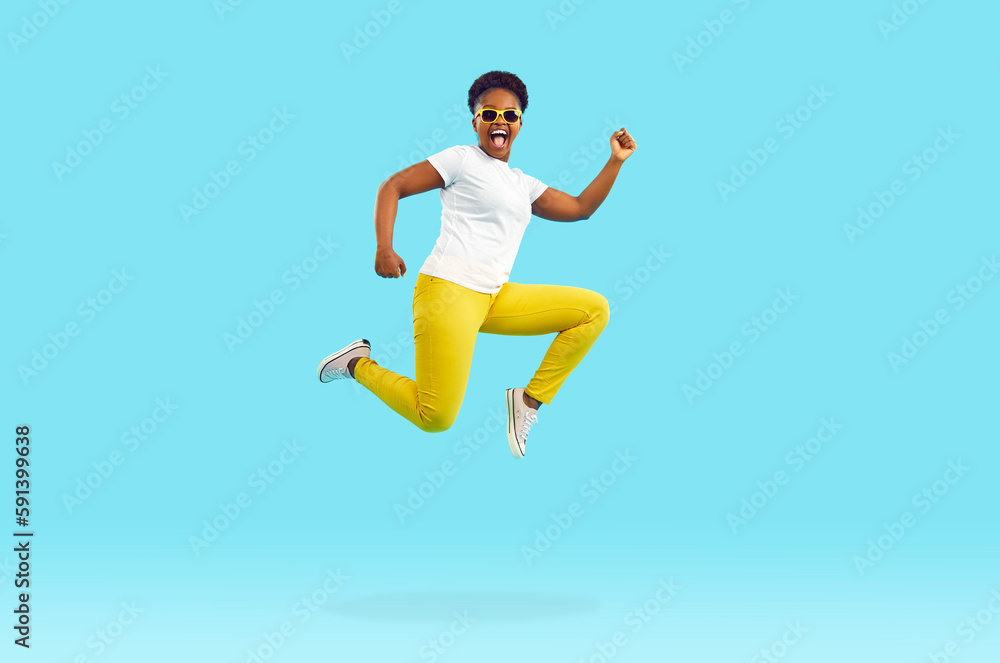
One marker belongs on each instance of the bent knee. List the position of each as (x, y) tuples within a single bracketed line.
[(599, 311), (437, 422)]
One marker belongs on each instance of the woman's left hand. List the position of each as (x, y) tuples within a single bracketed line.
[(622, 144)]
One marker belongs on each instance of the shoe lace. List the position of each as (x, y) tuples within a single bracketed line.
[(530, 417)]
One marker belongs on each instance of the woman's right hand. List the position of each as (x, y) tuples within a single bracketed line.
[(388, 264)]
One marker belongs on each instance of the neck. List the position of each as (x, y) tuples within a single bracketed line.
[(504, 158)]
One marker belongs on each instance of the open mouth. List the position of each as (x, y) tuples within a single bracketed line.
[(498, 137)]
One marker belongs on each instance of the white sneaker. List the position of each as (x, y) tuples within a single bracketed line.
[(520, 417), (334, 367)]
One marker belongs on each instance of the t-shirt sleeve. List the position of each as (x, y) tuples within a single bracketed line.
[(535, 187), (448, 163)]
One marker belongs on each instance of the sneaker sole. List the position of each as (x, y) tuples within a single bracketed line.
[(515, 448), (363, 343)]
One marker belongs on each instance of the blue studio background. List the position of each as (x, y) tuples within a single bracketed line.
[(781, 448)]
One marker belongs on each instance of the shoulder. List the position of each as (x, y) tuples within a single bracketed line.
[(456, 154), (454, 149), (450, 162), (521, 175)]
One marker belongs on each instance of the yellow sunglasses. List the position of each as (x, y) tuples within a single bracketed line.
[(491, 115)]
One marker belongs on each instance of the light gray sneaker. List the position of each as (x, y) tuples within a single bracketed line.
[(334, 367), (520, 418)]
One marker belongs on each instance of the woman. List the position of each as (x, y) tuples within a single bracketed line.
[(463, 288)]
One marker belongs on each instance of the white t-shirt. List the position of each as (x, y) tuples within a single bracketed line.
[(485, 208)]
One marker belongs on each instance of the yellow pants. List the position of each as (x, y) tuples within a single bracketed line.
[(446, 319)]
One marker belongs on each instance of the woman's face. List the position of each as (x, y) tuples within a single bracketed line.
[(499, 99)]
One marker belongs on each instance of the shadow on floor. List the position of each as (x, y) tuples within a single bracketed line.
[(433, 606)]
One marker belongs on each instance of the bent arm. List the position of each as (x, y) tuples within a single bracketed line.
[(418, 178), (557, 205)]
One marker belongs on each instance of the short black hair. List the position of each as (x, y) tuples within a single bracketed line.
[(500, 79)]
